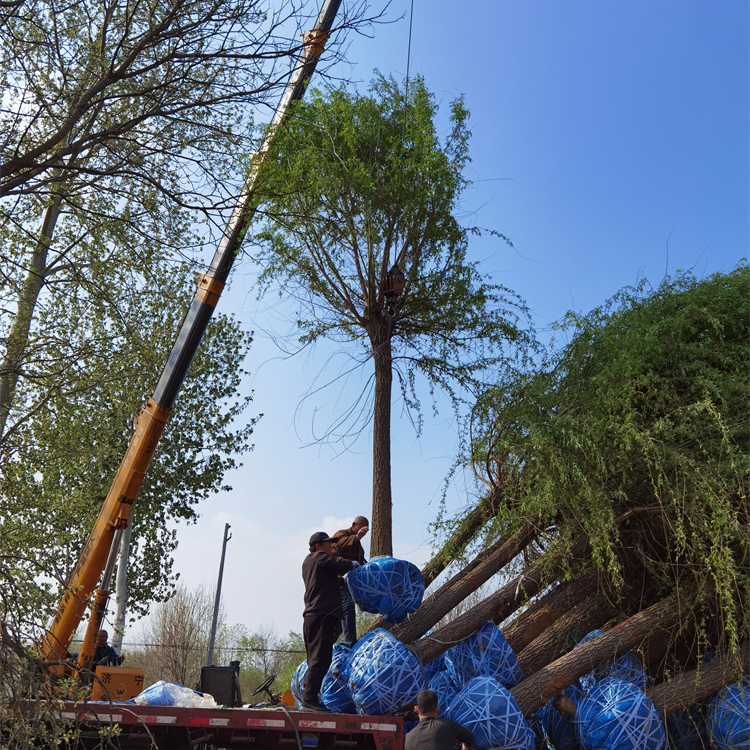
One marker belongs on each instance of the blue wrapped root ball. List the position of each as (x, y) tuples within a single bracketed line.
[(559, 727), (686, 730), (443, 687), (334, 692), (383, 674), (626, 667), (540, 738), (616, 715), (298, 681), (492, 715), (387, 586), (728, 717), (485, 652)]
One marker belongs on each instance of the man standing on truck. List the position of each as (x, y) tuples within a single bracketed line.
[(349, 546), (322, 616), (105, 655), (436, 734)]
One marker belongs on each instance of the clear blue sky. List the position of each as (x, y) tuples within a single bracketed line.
[(603, 133)]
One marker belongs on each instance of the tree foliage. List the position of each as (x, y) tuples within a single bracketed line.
[(644, 410), (353, 184)]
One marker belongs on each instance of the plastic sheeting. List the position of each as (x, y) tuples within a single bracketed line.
[(485, 652), (382, 674), (728, 717), (626, 667), (298, 681), (686, 730), (560, 727), (443, 687), (492, 715), (387, 586), (616, 715), (334, 693), (173, 694)]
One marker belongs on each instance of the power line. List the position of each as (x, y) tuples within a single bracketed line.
[(202, 648)]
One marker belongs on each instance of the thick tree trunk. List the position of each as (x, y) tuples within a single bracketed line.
[(381, 539), (474, 521), (458, 588), (557, 640), (536, 690), (496, 607), (18, 339), (691, 687), (547, 610)]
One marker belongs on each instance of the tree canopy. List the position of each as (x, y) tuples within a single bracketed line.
[(644, 415), (356, 188)]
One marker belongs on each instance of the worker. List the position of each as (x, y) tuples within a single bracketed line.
[(105, 655), (322, 615), (433, 733), (349, 546)]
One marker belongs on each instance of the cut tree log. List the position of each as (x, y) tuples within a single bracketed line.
[(536, 690), (548, 609), (506, 600), (590, 614), (691, 687), (461, 586)]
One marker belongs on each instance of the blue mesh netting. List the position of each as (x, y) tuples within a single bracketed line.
[(626, 667), (686, 730), (383, 675), (298, 681), (492, 715), (728, 717), (387, 586), (485, 652), (334, 693), (560, 727), (616, 715), (360, 644), (443, 687), (535, 723)]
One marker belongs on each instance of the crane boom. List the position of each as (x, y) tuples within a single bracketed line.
[(153, 418)]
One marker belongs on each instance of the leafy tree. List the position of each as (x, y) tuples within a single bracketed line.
[(355, 184), (644, 414), (67, 451)]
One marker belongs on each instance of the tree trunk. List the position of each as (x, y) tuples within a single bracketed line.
[(381, 539), (496, 607), (18, 339), (565, 633), (474, 521), (691, 687), (547, 610), (457, 589), (536, 690)]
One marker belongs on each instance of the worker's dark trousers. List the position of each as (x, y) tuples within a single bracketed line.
[(349, 618), (320, 633)]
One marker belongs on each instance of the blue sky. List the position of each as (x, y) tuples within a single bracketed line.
[(610, 142)]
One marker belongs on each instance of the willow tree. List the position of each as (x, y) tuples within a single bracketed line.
[(361, 196)]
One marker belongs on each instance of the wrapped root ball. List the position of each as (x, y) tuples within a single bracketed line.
[(686, 730), (387, 586), (334, 693), (616, 715), (485, 652), (728, 717), (360, 644), (626, 667), (540, 738), (434, 666), (443, 687), (383, 675), (492, 715), (298, 681), (559, 727)]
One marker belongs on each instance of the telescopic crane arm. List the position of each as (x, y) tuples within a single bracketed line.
[(151, 422)]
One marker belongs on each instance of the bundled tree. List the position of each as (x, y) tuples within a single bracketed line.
[(360, 199)]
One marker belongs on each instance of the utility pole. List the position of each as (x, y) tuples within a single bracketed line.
[(227, 537)]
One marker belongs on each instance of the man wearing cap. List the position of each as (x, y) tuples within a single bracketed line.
[(349, 546), (322, 615)]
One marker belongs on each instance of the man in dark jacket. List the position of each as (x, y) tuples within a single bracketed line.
[(105, 655), (349, 546), (435, 734), (322, 615)]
